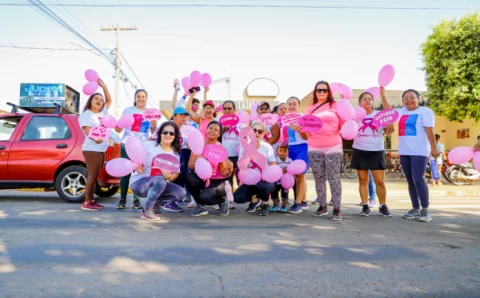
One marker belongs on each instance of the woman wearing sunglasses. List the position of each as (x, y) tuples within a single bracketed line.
[(325, 150), (261, 191), (153, 183), (272, 132), (215, 193)]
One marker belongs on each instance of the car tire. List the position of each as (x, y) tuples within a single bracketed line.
[(105, 192), (70, 184)]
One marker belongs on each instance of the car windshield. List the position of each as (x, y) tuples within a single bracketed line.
[(7, 127)]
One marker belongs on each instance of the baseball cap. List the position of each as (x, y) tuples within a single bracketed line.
[(180, 111), (209, 103), (284, 145), (264, 103)]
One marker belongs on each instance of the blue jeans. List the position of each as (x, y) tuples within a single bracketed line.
[(157, 189), (414, 168), (372, 188)]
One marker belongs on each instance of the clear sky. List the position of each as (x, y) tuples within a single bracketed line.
[(293, 46)]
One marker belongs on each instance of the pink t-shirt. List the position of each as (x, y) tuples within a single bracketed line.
[(216, 173), (329, 135)]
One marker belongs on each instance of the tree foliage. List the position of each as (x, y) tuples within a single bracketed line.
[(452, 64)]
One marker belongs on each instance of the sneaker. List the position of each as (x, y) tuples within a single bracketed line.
[(252, 207), (89, 206), (295, 209), (172, 207), (330, 203), (372, 203), (265, 208), (157, 210), (122, 204), (365, 211), (412, 214), (275, 208), (137, 205), (304, 205), (100, 206), (149, 215), (224, 211), (337, 215), (283, 209), (424, 216), (321, 211), (199, 211), (192, 204), (384, 211), (216, 207)]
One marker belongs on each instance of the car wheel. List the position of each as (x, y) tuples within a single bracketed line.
[(70, 184), (105, 192)]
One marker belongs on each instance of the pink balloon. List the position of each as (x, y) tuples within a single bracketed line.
[(272, 173), (360, 114), (345, 110), (346, 91), (253, 112), (90, 88), (135, 150), (476, 160), (297, 167), (349, 130), (287, 181), (206, 80), (250, 177), (91, 75), (203, 168), (386, 75), (375, 91), (186, 84), (109, 121), (335, 88), (126, 121), (196, 142), (243, 117), (195, 78), (459, 155), (119, 167)]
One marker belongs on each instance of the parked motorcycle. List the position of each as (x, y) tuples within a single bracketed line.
[(462, 174), (445, 166)]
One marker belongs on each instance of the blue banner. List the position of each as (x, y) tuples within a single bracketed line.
[(41, 95)]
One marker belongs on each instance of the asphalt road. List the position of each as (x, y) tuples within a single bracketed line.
[(49, 248)]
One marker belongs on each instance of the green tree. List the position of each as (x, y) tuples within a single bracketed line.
[(452, 64)]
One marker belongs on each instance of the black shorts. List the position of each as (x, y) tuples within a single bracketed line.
[(368, 160)]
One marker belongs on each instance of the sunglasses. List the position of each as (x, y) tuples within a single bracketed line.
[(166, 132), (259, 131), (263, 109), (322, 90)]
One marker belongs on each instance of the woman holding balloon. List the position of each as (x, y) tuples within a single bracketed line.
[(214, 193), (153, 182), (368, 152), (325, 150), (257, 152), (93, 148), (141, 129)]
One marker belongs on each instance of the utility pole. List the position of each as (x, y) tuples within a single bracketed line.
[(117, 61)]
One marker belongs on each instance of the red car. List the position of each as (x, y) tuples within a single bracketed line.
[(43, 150)]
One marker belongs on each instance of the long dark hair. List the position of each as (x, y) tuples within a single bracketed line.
[(215, 122), (330, 98), (135, 97), (176, 141), (88, 105)]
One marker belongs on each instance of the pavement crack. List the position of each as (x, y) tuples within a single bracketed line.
[(220, 279)]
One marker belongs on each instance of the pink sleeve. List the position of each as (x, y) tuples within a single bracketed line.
[(340, 119)]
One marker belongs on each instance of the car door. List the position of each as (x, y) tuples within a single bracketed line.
[(44, 143), (9, 127)]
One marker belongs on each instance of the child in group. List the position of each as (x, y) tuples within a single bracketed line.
[(283, 161)]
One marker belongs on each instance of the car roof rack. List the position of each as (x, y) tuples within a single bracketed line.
[(58, 109)]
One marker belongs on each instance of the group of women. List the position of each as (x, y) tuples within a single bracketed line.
[(275, 144)]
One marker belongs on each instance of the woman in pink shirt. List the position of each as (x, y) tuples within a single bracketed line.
[(215, 193), (325, 150)]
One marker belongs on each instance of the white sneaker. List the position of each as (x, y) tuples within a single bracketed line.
[(372, 203)]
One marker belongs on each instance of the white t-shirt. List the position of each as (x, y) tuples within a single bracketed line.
[(283, 164), (91, 119), (140, 128), (369, 137), (265, 150), (152, 150), (295, 138), (413, 139), (231, 140)]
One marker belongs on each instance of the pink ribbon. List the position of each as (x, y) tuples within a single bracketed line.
[(248, 141), (233, 129), (368, 123)]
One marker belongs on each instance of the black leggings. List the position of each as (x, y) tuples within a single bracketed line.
[(234, 160), (262, 190), (214, 194)]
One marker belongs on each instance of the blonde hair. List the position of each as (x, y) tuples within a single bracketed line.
[(259, 123)]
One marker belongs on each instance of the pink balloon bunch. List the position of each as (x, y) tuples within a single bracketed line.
[(92, 85), (196, 79)]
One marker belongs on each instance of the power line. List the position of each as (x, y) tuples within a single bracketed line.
[(243, 6), (47, 49)]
